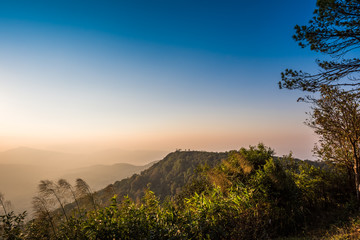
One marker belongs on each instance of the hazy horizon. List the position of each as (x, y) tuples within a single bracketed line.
[(89, 150), (83, 76)]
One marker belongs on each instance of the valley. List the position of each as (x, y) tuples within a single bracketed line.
[(22, 169)]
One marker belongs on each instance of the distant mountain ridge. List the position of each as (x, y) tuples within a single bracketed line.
[(31, 156), (98, 176), (21, 170)]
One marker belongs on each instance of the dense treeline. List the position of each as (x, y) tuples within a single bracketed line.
[(249, 195)]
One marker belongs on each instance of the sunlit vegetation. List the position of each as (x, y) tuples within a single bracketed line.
[(250, 194)]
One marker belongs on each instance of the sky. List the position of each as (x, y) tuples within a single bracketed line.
[(155, 75)]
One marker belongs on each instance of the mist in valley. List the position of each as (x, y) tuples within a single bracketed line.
[(21, 169)]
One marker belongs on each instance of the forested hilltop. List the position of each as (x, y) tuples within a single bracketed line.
[(166, 177), (245, 194)]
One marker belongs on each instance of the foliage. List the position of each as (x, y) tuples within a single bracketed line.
[(249, 195), (126, 221), (166, 178), (11, 224), (333, 30), (336, 119)]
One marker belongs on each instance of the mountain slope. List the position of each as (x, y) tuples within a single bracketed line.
[(166, 177)]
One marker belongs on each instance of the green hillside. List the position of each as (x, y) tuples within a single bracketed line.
[(245, 194), (166, 177)]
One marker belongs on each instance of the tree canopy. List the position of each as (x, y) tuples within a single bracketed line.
[(334, 30), (336, 119)]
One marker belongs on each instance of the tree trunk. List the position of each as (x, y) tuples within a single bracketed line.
[(357, 182)]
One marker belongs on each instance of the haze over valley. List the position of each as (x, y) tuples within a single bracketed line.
[(21, 169)]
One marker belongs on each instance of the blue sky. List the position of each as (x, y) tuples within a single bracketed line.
[(152, 74)]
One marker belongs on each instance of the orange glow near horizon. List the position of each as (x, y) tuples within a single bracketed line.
[(281, 142), (70, 89)]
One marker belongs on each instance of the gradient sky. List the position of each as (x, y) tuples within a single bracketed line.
[(152, 75)]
